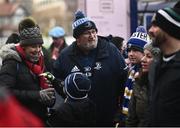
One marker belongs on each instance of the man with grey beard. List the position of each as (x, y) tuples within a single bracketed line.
[(98, 59), (164, 76)]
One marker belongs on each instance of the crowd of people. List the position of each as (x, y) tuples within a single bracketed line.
[(101, 81)]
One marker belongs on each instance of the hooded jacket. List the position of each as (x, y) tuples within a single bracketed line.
[(106, 73), (22, 83)]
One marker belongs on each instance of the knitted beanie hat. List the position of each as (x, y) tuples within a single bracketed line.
[(154, 50), (138, 39), (57, 32), (29, 32), (81, 23), (77, 85), (168, 19)]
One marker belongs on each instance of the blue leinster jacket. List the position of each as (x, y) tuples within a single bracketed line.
[(105, 66)]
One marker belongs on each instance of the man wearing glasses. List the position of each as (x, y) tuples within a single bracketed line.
[(101, 61)]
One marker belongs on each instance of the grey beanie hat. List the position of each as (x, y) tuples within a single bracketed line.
[(29, 32), (154, 50)]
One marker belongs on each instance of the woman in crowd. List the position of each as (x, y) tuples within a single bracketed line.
[(139, 101)]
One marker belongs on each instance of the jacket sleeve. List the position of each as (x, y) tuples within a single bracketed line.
[(8, 78), (120, 68), (132, 119), (58, 67), (8, 73)]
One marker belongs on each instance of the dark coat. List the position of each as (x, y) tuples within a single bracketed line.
[(22, 83), (107, 75), (165, 92), (138, 105), (74, 113)]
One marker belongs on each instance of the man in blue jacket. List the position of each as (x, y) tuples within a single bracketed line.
[(101, 61)]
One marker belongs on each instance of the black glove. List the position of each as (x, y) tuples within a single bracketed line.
[(47, 96)]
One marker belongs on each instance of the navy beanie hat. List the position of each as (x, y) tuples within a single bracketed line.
[(77, 85), (168, 19), (81, 23), (138, 39), (29, 32)]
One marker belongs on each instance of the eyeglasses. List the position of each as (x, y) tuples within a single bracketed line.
[(89, 32)]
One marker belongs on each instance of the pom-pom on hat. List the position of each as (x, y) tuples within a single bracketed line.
[(77, 85), (138, 39), (29, 32), (81, 23), (168, 19), (57, 32)]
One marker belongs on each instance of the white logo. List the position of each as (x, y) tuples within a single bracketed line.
[(75, 69), (87, 69), (139, 35), (98, 66), (88, 74), (79, 22)]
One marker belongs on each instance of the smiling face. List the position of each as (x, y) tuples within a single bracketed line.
[(146, 60), (87, 40), (33, 52), (134, 56)]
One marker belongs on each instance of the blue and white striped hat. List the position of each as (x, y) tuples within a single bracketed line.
[(77, 85), (81, 23), (138, 39)]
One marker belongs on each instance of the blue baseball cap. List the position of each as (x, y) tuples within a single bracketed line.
[(57, 32)]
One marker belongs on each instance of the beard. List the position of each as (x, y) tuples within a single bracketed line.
[(89, 45), (159, 39)]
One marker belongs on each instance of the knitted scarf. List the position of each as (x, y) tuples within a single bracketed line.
[(37, 69), (129, 89)]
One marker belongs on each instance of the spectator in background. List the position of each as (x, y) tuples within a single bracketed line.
[(101, 61), (118, 42), (135, 53), (164, 76), (13, 38), (22, 65), (138, 106), (77, 109), (58, 36)]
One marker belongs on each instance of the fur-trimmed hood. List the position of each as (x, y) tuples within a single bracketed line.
[(8, 51)]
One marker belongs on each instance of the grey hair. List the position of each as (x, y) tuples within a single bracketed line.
[(154, 50)]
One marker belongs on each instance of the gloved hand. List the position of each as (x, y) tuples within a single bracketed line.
[(47, 96)]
